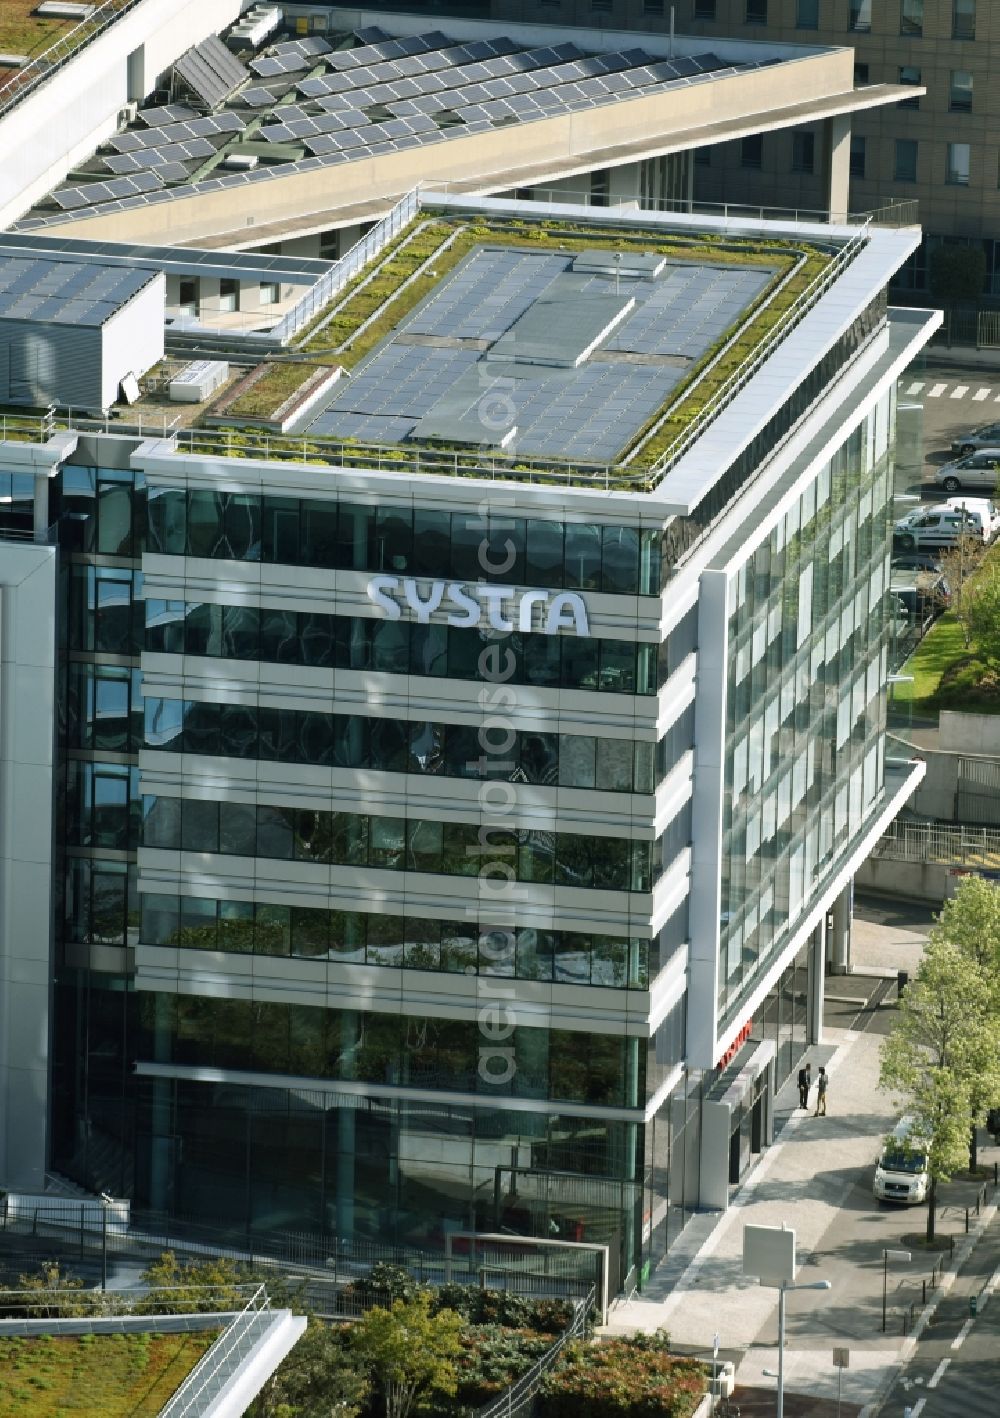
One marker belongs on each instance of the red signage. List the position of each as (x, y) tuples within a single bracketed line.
[(737, 1044)]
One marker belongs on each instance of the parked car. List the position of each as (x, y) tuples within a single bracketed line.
[(916, 561), (987, 435), (901, 1171), (978, 470), (939, 526), (979, 507)]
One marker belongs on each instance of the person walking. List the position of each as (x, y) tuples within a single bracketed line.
[(805, 1083), (821, 1083)]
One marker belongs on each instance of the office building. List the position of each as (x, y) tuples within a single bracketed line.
[(453, 790)]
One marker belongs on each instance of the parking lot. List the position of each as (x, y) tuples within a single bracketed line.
[(954, 401)]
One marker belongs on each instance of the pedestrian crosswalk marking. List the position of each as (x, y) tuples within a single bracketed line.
[(962, 1335), (937, 391), (982, 394), (915, 387), (938, 1374), (959, 391)]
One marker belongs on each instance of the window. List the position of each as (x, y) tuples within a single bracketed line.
[(911, 18), (703, 157), (860, 74), (807, 15), (229, 295), (270, 293), (704, 9), (803, 152), (752, 151), (959, 160), (909, 75), (860, 18), (600, 185), (960, 95), (857, 156), (187, 298), (963, 19), (906, 160), (756, 12)]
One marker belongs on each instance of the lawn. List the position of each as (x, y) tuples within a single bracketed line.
[(22, 32), (948, 673), (115, 1375)]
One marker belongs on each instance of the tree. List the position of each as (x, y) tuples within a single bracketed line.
[(60, 1294), (942, 1037), (970, 922), (408, 1351), (206, 1285), (982, 611), (318, 1378), (957, 273), (958, 563)]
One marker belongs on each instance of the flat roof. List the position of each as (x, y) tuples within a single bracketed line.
[(324, 101), (543, 353), (54, 291)]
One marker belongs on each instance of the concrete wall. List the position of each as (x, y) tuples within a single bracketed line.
[(66, 118), (27, 732), (506, 157), (969, 733), (917, 881)]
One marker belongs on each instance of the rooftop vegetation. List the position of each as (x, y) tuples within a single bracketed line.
[(24, 32), (115, 1375), (424, 252)]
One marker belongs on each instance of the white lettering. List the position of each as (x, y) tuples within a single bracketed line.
[(567, 603), (528, 600), (460, 597), (378, 588), (505, 607), (494, 596), (423, 609)]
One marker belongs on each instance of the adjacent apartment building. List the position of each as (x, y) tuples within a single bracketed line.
[(451, 794)]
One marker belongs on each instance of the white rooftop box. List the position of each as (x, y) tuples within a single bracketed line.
[(198, 381)]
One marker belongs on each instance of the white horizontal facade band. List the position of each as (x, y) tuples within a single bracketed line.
[(398, 893), (386, 989)]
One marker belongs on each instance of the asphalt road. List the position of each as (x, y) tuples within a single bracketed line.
[(953, 401), (955, 1369)]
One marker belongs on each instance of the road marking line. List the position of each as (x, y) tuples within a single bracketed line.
[(916, 386), (981, 394), (938, 1374), (936, 391), (918, 1408), (962, 1335), (959, 391)]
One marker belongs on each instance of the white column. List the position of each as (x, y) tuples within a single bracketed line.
[(840, 936), (837, 157), (816, 982)]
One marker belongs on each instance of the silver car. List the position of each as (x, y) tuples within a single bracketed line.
[(978, 470), (986, 436)]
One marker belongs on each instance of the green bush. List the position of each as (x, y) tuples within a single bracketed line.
[(624, 1378)]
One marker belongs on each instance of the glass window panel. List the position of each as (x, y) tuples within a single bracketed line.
[(459, 949), (426, 750), (535, 857), (273, 934), (316, 637), (392, 540), (347, 936), (388, 745), (204, 522), (504, 552), (431, 543), (313, 836), (241, 632), (201, 727), (617, 666), (204, 630), (279, 638), (316, 738), (539, 756), (353, 529), (583, 556), (422, 944), (574, 864), (161, 823), (350, 839), (542, 660), (280, 530), (310, 931), (166, 509), (199, 826), (386, 937), (114, 499), (467, 534), (318, 532), (160, 920), (390, 646), (460, 852), (614, 765), (237, 731), (164, 724), (388, 842), (578, 761), (535, 954), (242, 529), (424, 845), (238, 829), (571, 964), (620, 560), (544, 554), (580, 659), (199, 924), (278, 734), (236, 927), (429, 650), (612, 856), (274, 832)]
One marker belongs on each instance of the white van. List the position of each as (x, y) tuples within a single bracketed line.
[(981, 508), (901, 1171)]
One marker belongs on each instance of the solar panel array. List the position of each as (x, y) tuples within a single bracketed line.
[(589, 412), (91, 193), (689, 309), (211, 71), (65, 292), (171, 113), (212, 125)]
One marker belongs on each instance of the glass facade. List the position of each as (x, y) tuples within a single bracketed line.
[(805, 700)]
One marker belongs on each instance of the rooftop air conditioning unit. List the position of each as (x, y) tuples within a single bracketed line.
[(197, 381), (240, 162), (127, 114)]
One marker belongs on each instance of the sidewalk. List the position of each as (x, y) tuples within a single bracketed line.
[(816, 1178)]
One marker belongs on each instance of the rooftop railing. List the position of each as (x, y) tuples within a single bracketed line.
[(46, 63)]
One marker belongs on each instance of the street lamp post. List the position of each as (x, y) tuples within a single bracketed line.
[(887, 1256), (780, 1375)]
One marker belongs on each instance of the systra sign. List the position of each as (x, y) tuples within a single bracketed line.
[(503, 607)]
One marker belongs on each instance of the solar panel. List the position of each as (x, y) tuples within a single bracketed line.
[(271, 66), (312, 44), (211, 71), (171, 113), (258, 97)]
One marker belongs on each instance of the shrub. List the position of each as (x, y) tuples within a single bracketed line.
[(624, 1378)]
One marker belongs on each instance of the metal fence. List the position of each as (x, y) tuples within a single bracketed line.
[(23, 81), (226, 1355), (940, 842), (979, 328), (522, 1394), (370, 245)]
